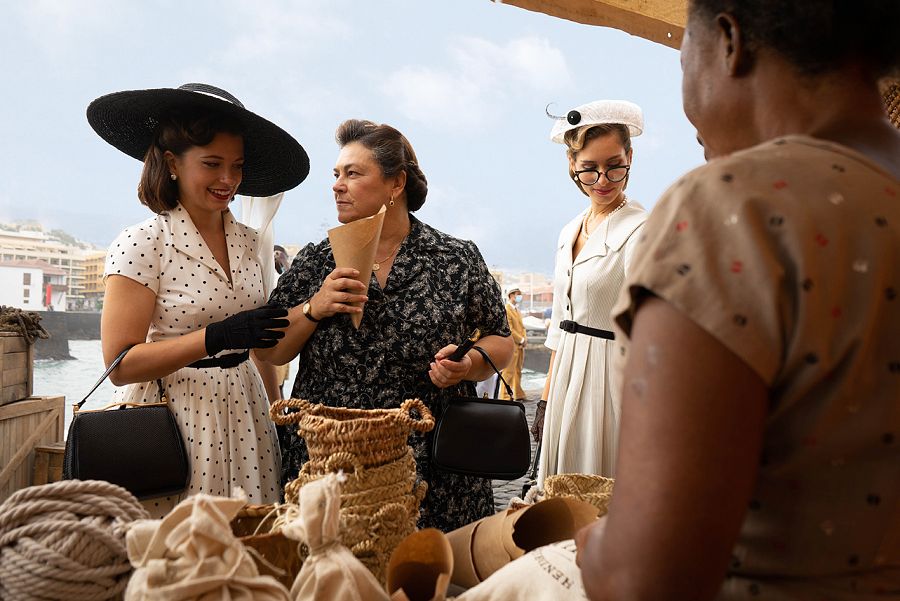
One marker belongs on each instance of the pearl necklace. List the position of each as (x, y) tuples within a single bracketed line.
[(590, 216)]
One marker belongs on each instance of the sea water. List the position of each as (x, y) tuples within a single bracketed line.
[(74, 378)]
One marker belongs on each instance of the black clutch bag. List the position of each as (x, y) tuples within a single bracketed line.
[(482, 437), (135, 445)]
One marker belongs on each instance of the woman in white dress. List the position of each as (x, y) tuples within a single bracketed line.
[(185, 287), (593, 254)]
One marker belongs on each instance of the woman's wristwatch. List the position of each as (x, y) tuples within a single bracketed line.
[(306, 309)]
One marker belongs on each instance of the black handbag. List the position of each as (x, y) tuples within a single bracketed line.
[(482, 437), (135, 445)]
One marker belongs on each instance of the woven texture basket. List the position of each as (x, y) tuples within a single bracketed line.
[(373, 436), (253, 526), (890, 94), (596, 490), (380, 495)]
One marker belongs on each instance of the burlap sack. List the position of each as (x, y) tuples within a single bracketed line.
[(547, 573), (192, 555), (331, 571)]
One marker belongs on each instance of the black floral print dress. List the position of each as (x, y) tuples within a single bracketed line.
[(439, 290)]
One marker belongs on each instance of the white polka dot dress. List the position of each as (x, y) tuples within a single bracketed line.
[(223, 413)]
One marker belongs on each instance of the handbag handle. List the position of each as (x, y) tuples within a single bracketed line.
[(487, 358), (108, 371)]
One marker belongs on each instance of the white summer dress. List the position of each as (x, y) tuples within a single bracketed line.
[(581, 426), (223, 413)]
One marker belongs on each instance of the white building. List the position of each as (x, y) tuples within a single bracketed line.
[(32, 286), (36, 245)]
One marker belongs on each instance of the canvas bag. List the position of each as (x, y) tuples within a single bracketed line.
[(547, 573), (192, 555), (331, 571)]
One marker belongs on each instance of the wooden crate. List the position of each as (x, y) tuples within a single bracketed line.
[(48, 463), (23, 426), (16, 368)]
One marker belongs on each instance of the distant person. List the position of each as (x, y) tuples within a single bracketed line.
[(282, 262), (427, 293), (513, 372), (185, 287), (593, 256), (760, 445)]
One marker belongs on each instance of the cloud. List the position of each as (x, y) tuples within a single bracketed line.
[(483, 77), (272, 28)]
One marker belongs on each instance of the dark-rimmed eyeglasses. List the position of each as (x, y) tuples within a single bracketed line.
[(589, 177)]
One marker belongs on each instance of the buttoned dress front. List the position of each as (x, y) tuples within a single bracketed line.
[(582, 421), (223, 414)]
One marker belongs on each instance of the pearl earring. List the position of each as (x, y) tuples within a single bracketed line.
[(173, 176)]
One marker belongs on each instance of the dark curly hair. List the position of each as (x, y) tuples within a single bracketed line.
[(393, 153), (818, 35)]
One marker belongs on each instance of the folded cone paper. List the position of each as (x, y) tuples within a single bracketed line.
[(485, 546), (420, 567), (354, 245)]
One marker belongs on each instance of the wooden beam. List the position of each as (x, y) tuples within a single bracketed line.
[(660, 21)]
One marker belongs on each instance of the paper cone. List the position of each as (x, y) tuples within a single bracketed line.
[(485, 546), (354, 245), (420, 567)]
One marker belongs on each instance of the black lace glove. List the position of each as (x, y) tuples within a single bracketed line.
[(248, 329), (537, 428)]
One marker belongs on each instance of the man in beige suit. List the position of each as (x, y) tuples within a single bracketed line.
[(513, 372)]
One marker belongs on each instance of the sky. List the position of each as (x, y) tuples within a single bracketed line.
[(467, 82)]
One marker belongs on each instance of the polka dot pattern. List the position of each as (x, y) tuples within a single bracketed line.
[(789, 255), (223, 414)]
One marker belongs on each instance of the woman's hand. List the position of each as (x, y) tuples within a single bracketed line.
[(444, 372), (337, 293), (590, 534)]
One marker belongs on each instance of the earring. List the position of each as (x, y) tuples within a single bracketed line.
[(391, 203), (173, 176)]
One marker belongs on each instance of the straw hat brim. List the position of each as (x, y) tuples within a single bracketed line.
[(274, 160)]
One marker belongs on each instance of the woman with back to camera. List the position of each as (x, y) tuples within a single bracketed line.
[(427, 293), (185, 287), (760, 446), (593, 256)]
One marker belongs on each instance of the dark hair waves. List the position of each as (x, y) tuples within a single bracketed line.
[(393, 153)]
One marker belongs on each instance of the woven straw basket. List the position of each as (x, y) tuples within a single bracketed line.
[(253, 527), (373, 436), (890, 94), (596, 490)]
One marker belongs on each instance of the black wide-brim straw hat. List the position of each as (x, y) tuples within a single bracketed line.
[(273, 160)]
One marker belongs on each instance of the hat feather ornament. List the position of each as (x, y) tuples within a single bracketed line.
[(597, 113)]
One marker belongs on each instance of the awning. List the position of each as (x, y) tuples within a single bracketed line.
[(660, 21)]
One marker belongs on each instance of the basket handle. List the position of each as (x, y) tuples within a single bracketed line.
[(425, 422), (301, 407), (341, 460)]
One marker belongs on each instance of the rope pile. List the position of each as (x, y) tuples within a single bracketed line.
[(24, 323), (380, 497), (66, 540)]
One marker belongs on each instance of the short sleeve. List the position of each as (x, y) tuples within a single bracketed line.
[(303, 278), (136, 254), (486, 310), (706, 249)]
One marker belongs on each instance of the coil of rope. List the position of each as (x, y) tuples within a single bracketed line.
[(66, 540), (25, 323)]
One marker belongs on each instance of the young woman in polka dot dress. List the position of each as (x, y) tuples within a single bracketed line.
[(759, 455), (185, 287)]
